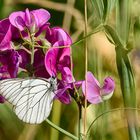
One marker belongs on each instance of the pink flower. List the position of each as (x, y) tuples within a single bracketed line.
[(56, 58), (29, 19), (66, 86), (95, 93), (58, 37)]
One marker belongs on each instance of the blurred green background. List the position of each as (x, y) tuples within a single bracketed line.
[(69, 14)]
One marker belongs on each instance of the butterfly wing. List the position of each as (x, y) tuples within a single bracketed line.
[(32, 98)]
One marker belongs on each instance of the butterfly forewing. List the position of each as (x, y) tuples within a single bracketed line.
[(32, 98)]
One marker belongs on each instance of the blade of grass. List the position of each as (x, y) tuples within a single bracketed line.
[(123, 15), (126, 80)]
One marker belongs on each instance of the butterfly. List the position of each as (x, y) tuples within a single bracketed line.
[(32, 98)]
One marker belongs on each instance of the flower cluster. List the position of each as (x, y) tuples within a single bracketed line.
[(28, 44)]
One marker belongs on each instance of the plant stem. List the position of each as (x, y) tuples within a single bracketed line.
[(86, 66), (127, 82), (128, 89), (61, 130), (79, 121), (32, 54), (96, 30)]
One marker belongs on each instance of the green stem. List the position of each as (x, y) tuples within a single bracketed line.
[(96, 30), (86, 65), (61, 130), (32, 55), (128, 89), (80, 122)]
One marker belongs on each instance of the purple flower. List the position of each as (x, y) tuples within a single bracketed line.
[(29, 19), (38, 68), (9, 60), (95, 93), (5, 34), (66, 87), (2, 99), (58, 37), (56, 58)]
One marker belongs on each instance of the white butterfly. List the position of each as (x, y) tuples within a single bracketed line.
[(32, 98)]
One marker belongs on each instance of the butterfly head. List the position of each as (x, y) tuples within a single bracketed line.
[(53, 82)]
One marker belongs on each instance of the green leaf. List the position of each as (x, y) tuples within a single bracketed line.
[(113, 34), (123, 19)]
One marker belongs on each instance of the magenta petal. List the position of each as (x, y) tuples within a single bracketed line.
[(2, 99), (61, 35), (64, 52), (5, 34), (64, 58), (61, 43), (51, 61), (65, 98), (93, 89), (17, 19), (25, 58), (58, 37), (39, 66), (108, 87), (41, 16), (28, 18), (9, 60), (67, 75), (62, 93)]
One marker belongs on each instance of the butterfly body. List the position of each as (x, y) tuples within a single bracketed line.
[(31, 97)]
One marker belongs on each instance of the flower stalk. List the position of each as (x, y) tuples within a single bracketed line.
[(80, 122), (86, 64), (61, 130), (32, 48)]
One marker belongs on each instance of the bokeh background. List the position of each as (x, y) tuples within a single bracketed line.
[(69, 14)]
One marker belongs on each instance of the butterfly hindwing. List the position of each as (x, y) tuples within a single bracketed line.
[(32, 98)]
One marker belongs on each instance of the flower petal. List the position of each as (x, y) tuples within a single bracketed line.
[(41, 17), (67, 75), (62, 93), (39, 66), (58, 37), (51, 61), (10, 60), (28, 19), (93, 89), (25, 58), (108, 88), (2, 99), (56, 59), (17, 19), (5, 34)]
